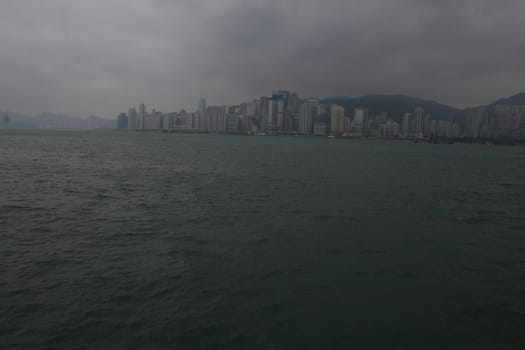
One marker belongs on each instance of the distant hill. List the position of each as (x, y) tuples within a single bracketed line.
[(52, 121), (396, 106), (518, 99), (10, 120)]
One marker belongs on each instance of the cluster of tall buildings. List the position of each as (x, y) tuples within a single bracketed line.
[(285, 113), (498, 122), (419, 125)]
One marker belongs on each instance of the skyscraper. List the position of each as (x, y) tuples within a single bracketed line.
[(337, 120), (276, 112), (360, 123), (122, 121), (132, 118), (428, 126), (420, 122), (202, 105), (406, 129), (307, 116), (142, 116)]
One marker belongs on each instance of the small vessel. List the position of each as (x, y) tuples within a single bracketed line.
[(331, 137)]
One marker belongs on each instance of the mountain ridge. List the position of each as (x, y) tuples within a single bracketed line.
[(396, 105)]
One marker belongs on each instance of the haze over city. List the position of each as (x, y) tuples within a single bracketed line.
[(98, 57), (262, 174)]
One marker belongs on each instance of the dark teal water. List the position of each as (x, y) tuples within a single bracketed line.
[(142, 241)]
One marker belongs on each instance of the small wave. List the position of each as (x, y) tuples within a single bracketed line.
[(472, 219), (494, 212), (373, 251), (262, 240), (322, 217), (8, 208)]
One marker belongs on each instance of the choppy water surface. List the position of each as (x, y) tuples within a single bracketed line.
[(137, 240)]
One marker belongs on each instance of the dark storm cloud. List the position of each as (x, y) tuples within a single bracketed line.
[(101, 57)]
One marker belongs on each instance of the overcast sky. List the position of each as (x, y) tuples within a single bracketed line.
[(101, 57)]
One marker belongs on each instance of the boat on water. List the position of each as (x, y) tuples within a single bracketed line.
[(331, 137)]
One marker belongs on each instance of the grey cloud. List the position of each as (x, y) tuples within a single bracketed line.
[(101, 57)]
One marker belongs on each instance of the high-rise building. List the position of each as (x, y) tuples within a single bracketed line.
[(189, 121), (216, 119), (233, 123), (282, 95), (428, 126), (348, 126), (406, 125), (247, 109), (122, 121), (262, 113), (153, 121), (132, 118), (337, 120), (202, 105), (420, 122), (276, 112), (319, 129), (308, 112), (360, 123), (271, 121), (141, 117), (168, 121)]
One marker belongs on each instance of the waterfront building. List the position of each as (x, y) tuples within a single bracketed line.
[(132, 118), (262, 116), (360, 122), (320, 129), (141, 116), (308, 112), (233, 123), (419, 122), (276, 110), (348, 125), (337, 120), (202, 105), (406, 126), (122, 121), (427, 130), (215, 118), (153, 121)]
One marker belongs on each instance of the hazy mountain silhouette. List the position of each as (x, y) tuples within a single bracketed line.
[(397, 105), (53, 121), (518, 99)]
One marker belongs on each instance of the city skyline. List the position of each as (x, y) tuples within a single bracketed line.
[(285, 113), (94, 57)]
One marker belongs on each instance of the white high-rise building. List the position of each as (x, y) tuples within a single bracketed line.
[(308, 112)]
